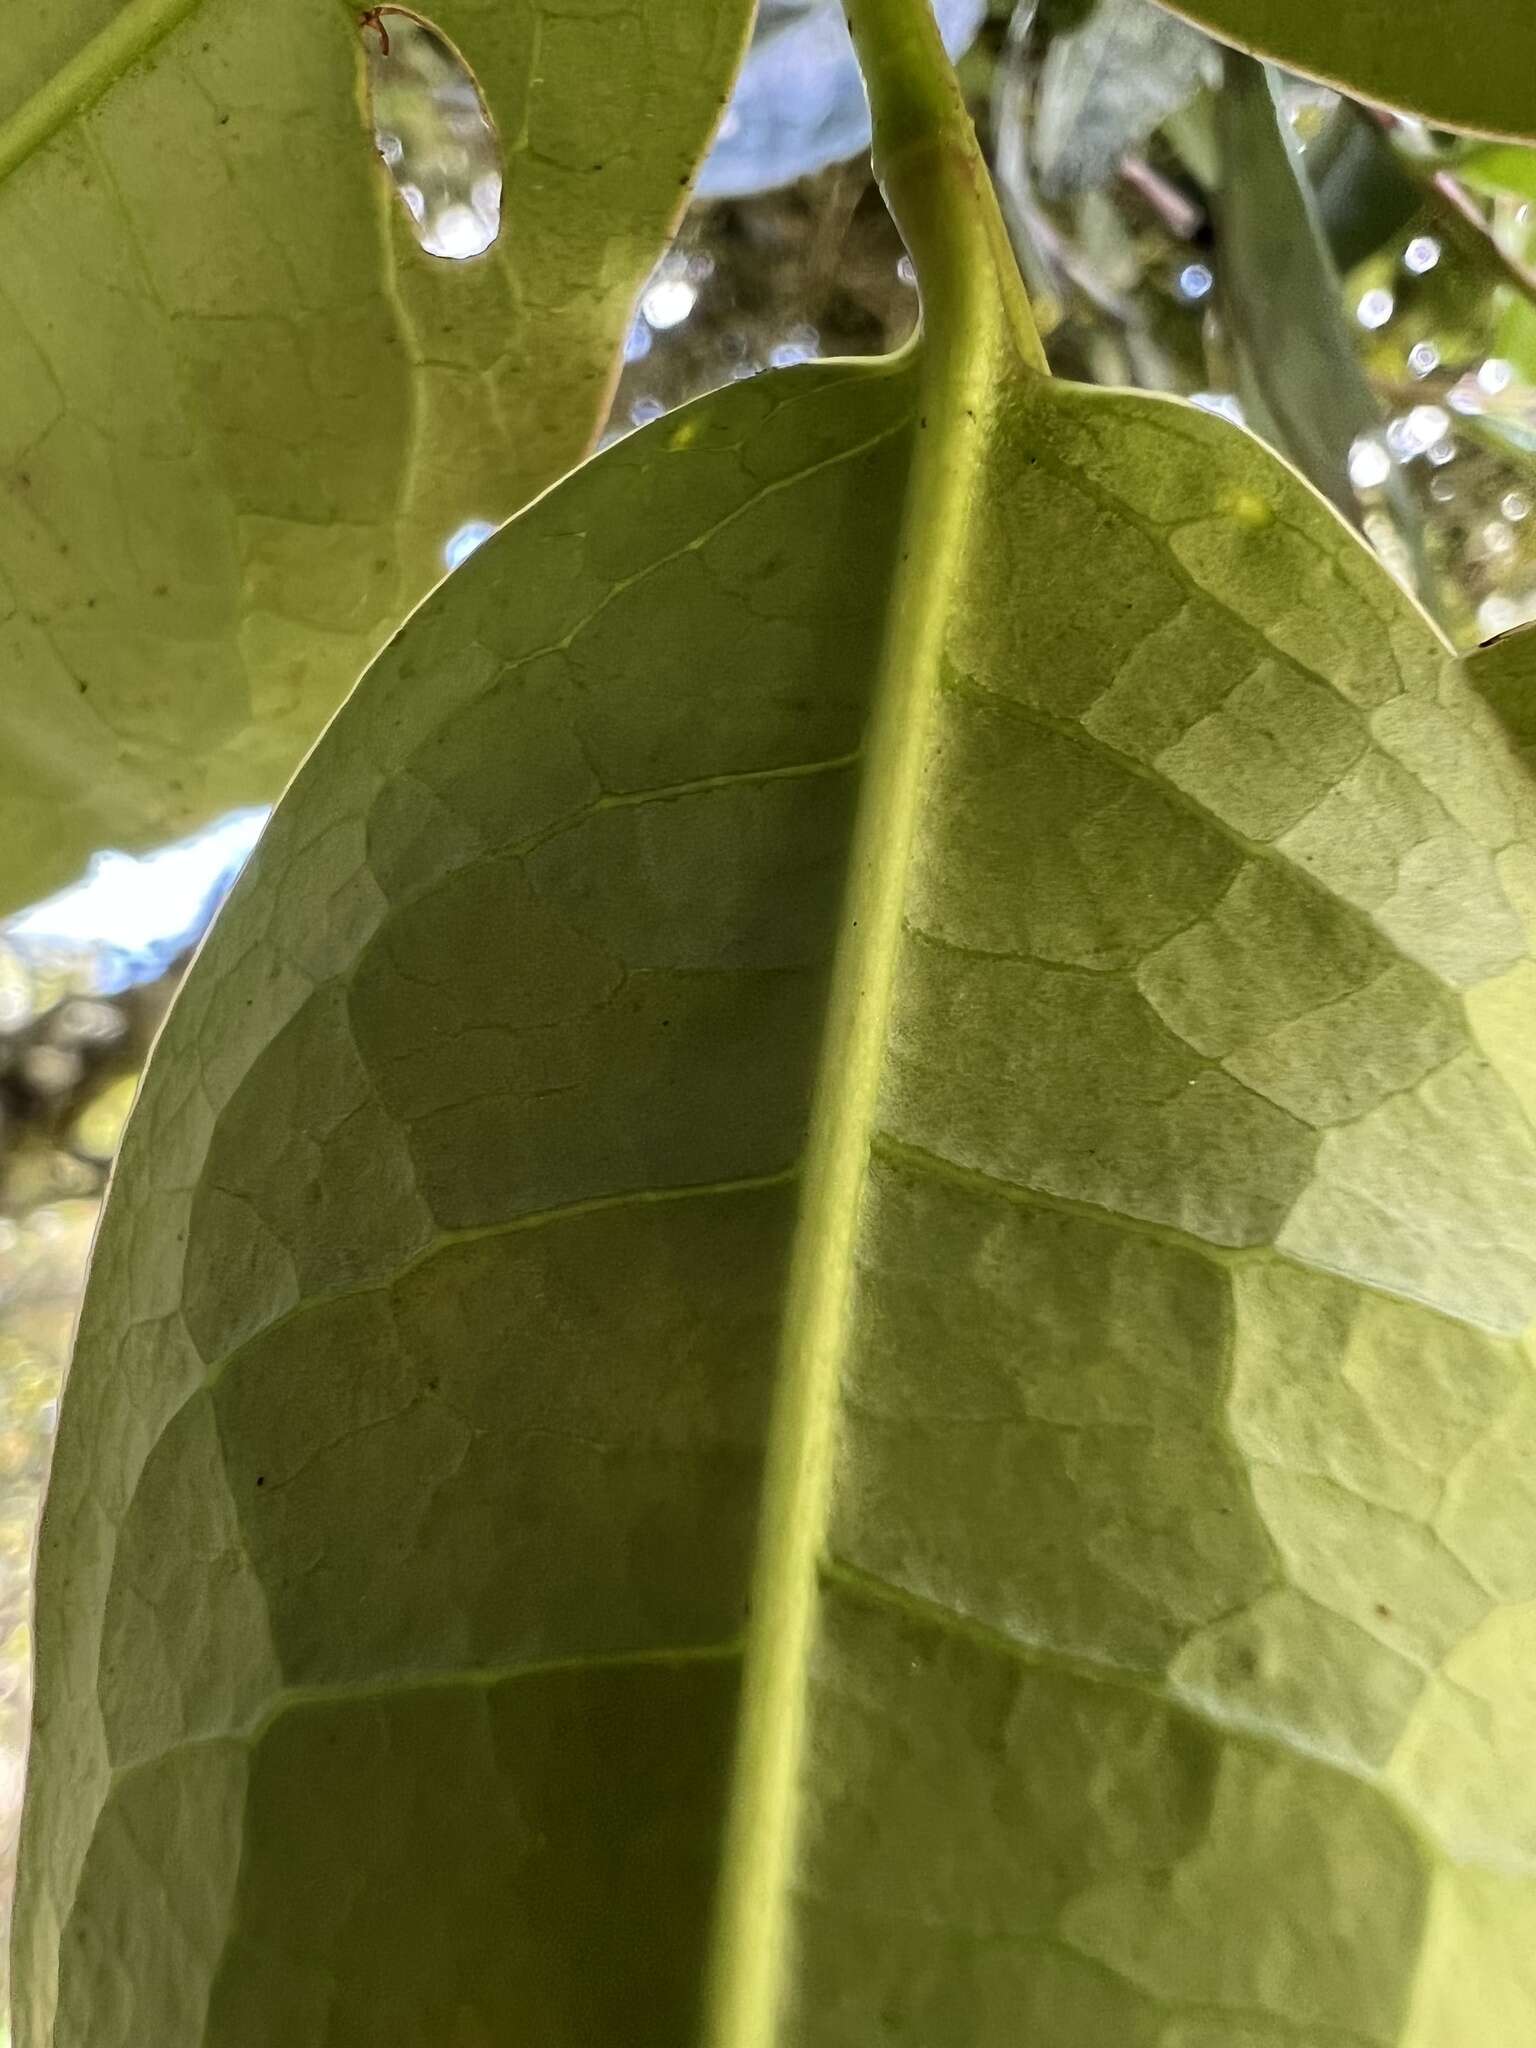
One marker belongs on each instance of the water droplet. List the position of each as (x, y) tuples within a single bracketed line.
[(905, 271), (1442, 452), (637, 343), (1423, 357), (1369, 463), (1422, 254), (435, 137), (644, 410), (458, 232), (1515, 505), (1375, 308), (1195, 280), (1495, 375)]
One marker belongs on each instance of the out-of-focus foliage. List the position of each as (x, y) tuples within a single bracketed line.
[(1153, 275), (1466, 63), (1299, 377), (1106, 84), (68, 1064)]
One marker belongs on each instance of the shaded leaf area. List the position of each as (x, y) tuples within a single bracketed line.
[(1504, 674), (1167, 1680), (1473, 71), (242, 422)]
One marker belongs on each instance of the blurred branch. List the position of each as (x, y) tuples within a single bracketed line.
[(1174, 208)]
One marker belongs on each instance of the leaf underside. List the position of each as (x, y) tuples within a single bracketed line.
[(241, 412), (1503, 672), (1170, 1669), (1467, 64)]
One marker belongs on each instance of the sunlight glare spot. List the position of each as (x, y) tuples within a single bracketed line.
[(1369, 463), (474, 533)]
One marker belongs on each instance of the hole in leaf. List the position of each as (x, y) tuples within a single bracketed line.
[(432, 130)]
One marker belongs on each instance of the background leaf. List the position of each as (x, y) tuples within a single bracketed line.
[(397, 1559), (1504, 674), (1106, 85), (243, 417), (1469, 64), (1298, 375)]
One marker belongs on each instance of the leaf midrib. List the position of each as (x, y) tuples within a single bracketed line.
[(976, 327), (88, 75)]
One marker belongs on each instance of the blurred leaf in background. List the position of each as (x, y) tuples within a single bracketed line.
[(1349, 283)]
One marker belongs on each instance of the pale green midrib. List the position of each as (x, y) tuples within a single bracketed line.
[(745, 1963), (967, 333), (89, 74), (477, 1678)]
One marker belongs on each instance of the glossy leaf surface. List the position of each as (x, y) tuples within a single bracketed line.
[(965, 916), (1463, 63), (242, 414)]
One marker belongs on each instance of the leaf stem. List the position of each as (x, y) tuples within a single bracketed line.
[(935, 181)]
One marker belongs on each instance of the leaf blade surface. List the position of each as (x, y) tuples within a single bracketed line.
[(1175, 1305), (244, 414), (1471, 71)]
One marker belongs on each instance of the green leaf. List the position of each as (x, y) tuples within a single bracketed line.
[(961, 928), (1298, 375), (1468, 64), (1503, 671), (1499, 167), (1364, 195), (1106, 85), (241, 411)]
